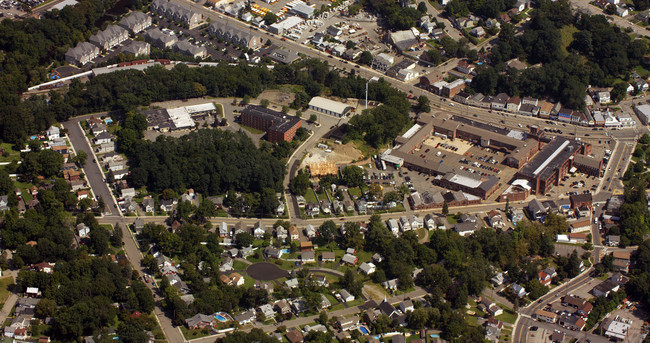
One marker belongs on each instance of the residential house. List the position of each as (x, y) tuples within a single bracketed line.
[(496, 220), (320, 280), (282, 307), (390, 284), (103, 137), (310, 231), (187, 48), (307, 256), (327, 256), (81, 54), (160, 39), (312, 209), (546, 316), (519, 291), (571, 322), (273, 252), (367, 268), (544, 278), (406, 306), (513, 104), (148, 204), (536, 209), (135, 22), (267, 310), (292, 283), (235, 35), (199, 321), (349, 259), (490, 307), (281, 233), (167, 205), (245, 318), (346, 296), (293, 232), (82, 230), (110, 37)]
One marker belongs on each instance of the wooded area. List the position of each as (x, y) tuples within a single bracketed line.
[(597, 54)]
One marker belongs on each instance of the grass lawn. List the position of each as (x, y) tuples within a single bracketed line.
[(252, 130), (451, 219), (310, 196), (354, 192), (364, 256), (5, 282), (239, 265), (398, 208), (508, 315), (193, 334), (13, 155), (254, 259), (248, 281), (566, 36)]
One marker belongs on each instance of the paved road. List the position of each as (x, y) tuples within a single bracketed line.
[(519, 334), (100, 188), (91, 169)]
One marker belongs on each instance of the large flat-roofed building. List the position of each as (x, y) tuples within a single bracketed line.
[(278, 126), (173, 119), (550, 165), (331, 107), (588, 165), (481, 187), (643, 112), (285, 25)]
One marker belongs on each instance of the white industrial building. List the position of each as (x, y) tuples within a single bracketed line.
[(331, 107), (285, 25)]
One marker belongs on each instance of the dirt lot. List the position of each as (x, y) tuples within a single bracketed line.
[(340, 154), (278, 98)]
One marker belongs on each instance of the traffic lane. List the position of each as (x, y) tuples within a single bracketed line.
[(134, 255), (91, 168), (557, 328)]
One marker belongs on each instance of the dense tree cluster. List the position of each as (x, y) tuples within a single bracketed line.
[(30, 45), (207, 160), (598, 53), (487, 8), (398, 18), (80, 293), (639, 285), (635, 220)]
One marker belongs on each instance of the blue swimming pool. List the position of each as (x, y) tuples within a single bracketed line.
[(364, 330), (219, 318), (285, 251)]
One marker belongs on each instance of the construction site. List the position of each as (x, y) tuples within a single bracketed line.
[(325, 158)]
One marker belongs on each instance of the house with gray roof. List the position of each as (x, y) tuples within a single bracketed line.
[(235, 35), (180, 13), (160, 39), (81, 54), (137, 48), (110, 37), (135, 22), (187, 48)]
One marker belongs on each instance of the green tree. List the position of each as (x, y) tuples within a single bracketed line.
[(265, 102), (353, 176), (445, 208), (313, 118), (365, 58), (244, 239), (327, 230), (300, 183), (270, 18)]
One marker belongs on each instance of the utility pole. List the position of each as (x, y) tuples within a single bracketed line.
[(367, 94)]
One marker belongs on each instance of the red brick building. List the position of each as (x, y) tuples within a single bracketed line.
[(278, 126)]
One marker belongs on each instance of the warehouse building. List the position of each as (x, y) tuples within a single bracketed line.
[(331, 107), (279, 127)]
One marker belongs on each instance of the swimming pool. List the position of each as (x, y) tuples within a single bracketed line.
[(220, 318), (364, 330), (286, 251)]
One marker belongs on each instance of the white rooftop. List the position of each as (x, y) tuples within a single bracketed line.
[(287, 23), (465, 181), (181, 118), (331, 105), (617, 329), (415, 128), (200, 108)]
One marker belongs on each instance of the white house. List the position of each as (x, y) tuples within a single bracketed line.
[(53, 132), (346, 296), (367, 268)]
